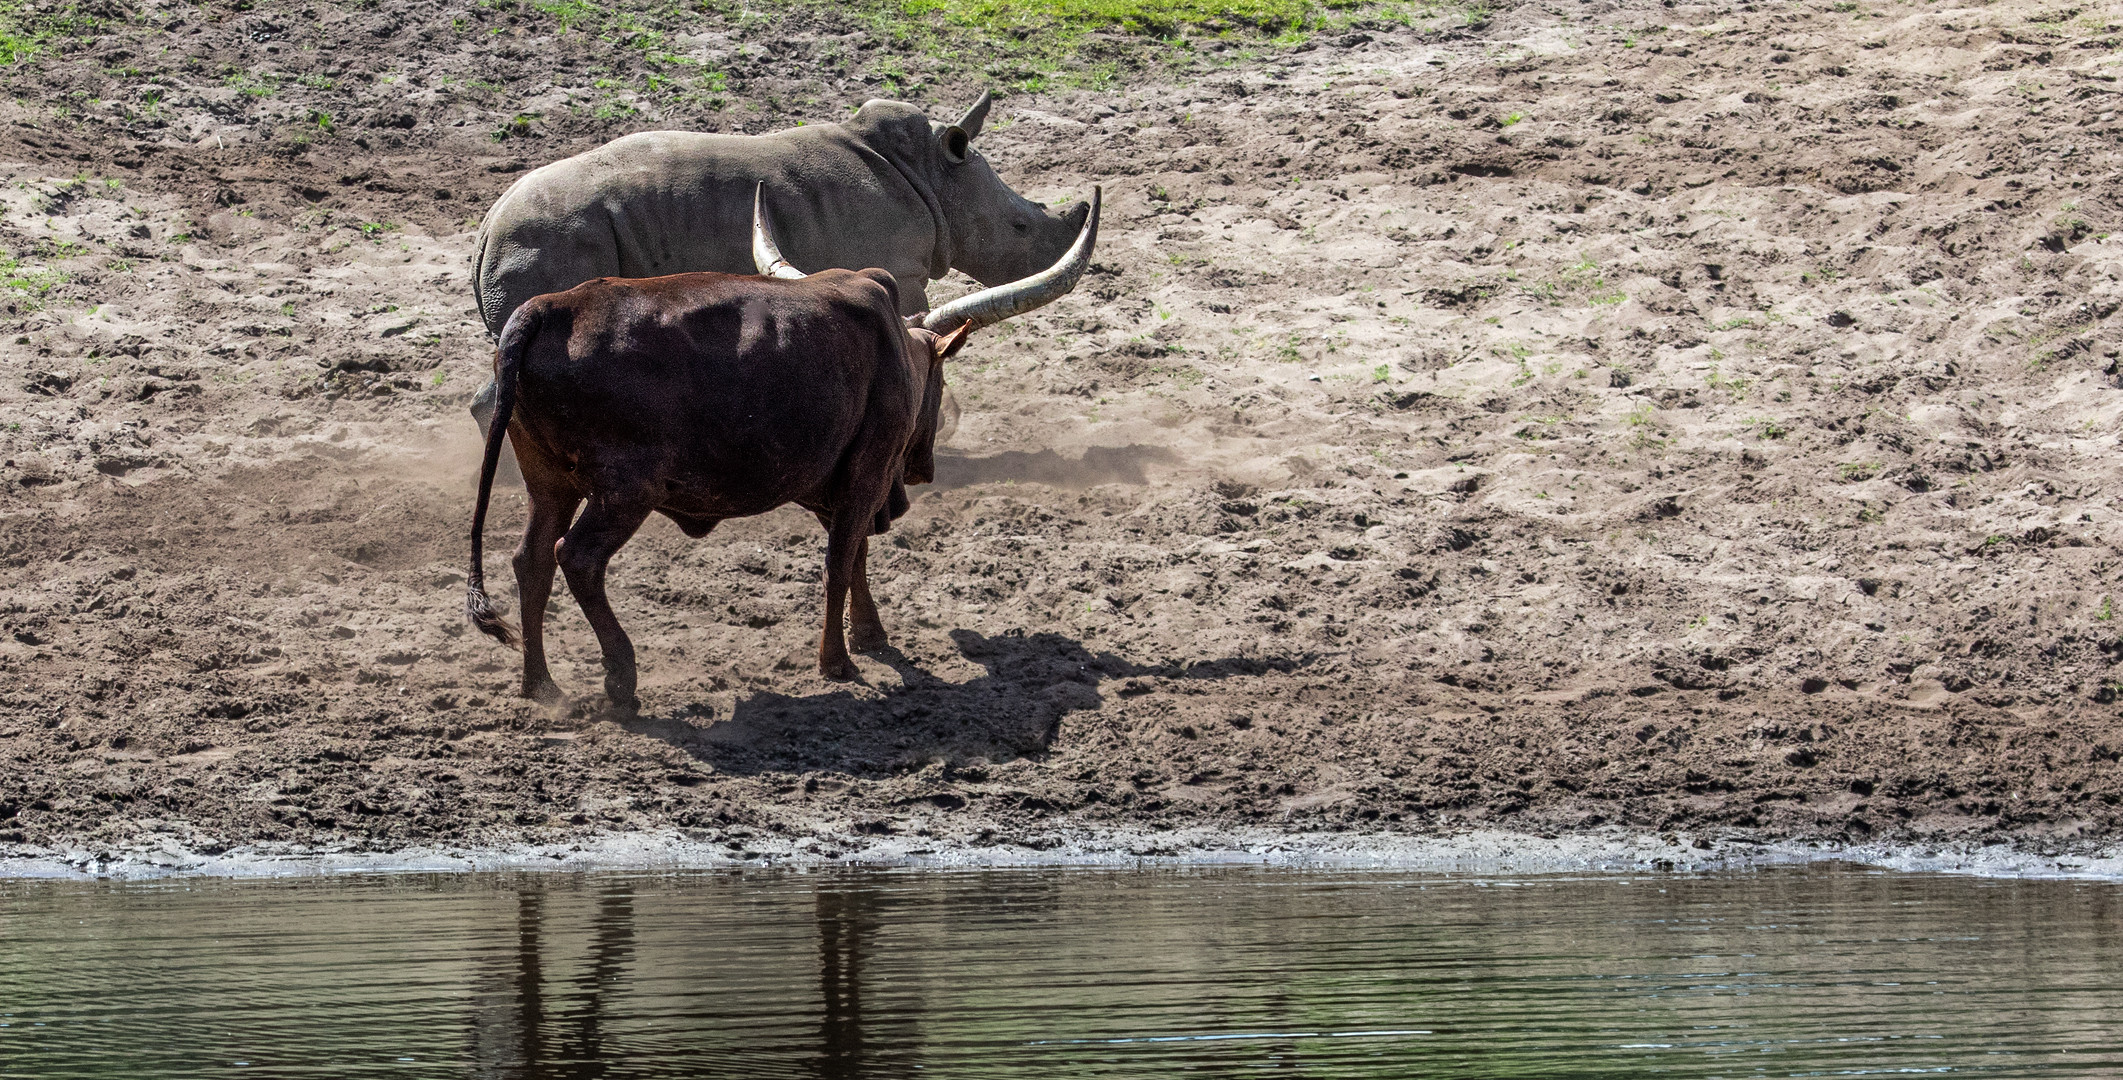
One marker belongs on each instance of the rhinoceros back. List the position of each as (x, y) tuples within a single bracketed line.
[(668, 202)]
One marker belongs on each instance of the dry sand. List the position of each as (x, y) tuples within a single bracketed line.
[(1693, 420)]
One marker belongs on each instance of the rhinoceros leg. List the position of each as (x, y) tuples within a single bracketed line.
[(483, 408), (913, 300), (946, 418), (913, 294), (483, 412)]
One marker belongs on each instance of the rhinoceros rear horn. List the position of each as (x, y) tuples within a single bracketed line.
[(990, 306), (766, 255), (977, 115)]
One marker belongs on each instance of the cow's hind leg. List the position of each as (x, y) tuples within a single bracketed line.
[(866, 632), (550, 513), (584, 553)]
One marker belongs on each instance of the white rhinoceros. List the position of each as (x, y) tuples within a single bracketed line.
[(889, 188)]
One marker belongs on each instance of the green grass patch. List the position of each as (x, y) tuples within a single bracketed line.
[(1028, 44), (26, 28), (572, 14), (29, 284), (1180, 374), (916, 45), (15, 46), (518, 127), (1731, 384), (251, 85), (1158, 18), (1582, 280)]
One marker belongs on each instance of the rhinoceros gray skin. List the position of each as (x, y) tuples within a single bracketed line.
[(889, 188)]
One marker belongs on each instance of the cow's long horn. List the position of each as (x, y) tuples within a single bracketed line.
[(990, 306), (766, 256)]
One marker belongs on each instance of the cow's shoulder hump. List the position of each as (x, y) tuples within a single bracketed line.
[(872, 288)]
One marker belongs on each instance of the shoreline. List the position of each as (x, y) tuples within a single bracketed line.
[(1473, 852)]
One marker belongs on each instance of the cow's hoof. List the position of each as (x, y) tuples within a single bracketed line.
[(619, 701), (842, 670), (868, 638), (544, 693)]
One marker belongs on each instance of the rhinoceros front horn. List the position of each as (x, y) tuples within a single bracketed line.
[(766, 255), (990, 306)]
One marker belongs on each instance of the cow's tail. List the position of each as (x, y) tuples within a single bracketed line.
[(516, 340)]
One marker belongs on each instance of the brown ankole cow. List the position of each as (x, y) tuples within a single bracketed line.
[(709, 396)]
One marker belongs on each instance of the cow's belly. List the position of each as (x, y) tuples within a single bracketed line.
[(743, 489), (722, 504)]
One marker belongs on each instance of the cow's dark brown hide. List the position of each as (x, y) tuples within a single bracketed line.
[(703, 397)]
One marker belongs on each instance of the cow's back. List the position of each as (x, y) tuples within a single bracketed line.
[(668, 202), (733, 394)]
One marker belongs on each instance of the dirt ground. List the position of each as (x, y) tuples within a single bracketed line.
[(1696, 418)]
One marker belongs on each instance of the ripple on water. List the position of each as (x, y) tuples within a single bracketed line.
[(1818, 970)]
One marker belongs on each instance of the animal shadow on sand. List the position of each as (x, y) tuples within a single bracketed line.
[(1014, 710)]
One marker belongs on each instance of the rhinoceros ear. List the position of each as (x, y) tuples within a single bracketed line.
[(955, 144), (977, 115)]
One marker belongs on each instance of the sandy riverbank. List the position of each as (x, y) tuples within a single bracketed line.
[(1688, 420)]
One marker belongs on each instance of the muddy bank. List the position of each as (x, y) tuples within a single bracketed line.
[(1600, 851), (1690, 420)]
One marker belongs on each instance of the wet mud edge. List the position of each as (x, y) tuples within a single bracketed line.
[(1608, 851)]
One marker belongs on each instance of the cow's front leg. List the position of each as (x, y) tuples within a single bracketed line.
[(844, 546), (584, 553), (866, 632), (550, 513)]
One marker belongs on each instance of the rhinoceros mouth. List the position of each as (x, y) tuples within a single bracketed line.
[(990, 306)]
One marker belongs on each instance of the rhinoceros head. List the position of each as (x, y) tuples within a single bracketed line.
[(991, 232)]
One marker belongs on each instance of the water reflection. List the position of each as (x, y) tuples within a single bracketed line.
[(528, 1024), (510, 1033), (611, 944), (508, 1012), (1036, 974), (851, 1044)]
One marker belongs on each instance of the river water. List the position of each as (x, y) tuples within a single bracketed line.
[(1825, 970)]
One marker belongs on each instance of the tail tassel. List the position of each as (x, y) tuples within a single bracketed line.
[(481, 611)]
